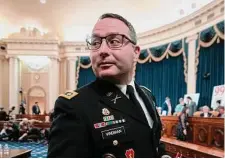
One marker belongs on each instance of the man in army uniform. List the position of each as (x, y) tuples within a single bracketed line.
[(112, 116)]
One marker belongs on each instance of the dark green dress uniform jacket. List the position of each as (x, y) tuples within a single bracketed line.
[(98, 120)]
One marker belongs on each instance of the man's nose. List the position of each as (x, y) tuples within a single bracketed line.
[(104, 49)]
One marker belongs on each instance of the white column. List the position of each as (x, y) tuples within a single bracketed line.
[(191, 83), (71, 73), (13, 84), (1, 81), (53, 82)]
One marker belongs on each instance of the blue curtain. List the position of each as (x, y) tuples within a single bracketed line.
[(211, 60), (85, 76), (164, 78)]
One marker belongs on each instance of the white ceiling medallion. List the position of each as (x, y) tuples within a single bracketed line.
[(43, 1), (35, 63)]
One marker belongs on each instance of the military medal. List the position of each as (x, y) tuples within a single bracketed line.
[(105, 111), (129, 153), (108, 118), (99, 125)]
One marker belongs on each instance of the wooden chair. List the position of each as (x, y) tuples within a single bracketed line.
[(197, 114)]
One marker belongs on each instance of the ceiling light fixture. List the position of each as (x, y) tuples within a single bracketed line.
[(43, 1)]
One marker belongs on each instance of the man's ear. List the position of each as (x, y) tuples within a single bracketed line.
[(137, 52)]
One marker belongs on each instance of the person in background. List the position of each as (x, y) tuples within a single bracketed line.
[(191, 105), (218, 104), (3, 133), (182, 124), (36, 109), (179, 106), (10, 132), (159, 110), (51, 115), (167, 107), (3, 114), (206, 113), (21, 109), (221, 112)]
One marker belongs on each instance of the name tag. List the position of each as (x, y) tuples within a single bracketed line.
[(113, 132)]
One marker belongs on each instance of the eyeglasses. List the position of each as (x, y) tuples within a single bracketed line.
[(114, 41)]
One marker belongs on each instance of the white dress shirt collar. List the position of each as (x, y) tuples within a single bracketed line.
[(123, 88)]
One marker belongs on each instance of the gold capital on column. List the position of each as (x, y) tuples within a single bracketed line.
[(54, 58)]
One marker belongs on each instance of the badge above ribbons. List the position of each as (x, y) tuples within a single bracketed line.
[(105, 111)]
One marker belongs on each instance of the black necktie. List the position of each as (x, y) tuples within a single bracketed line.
[(132, 97)]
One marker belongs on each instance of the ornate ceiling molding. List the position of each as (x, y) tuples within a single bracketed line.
[(31, 36), (207, 16), (71, 49), (32, 42)]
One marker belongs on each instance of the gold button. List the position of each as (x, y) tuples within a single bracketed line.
[(115, 142)]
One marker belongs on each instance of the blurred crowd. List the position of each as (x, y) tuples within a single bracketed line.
[(203, 111), (23, 131)]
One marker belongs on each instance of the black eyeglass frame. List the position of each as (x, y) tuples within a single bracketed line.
[(123, 44)]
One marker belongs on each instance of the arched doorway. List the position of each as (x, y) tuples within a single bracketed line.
[(36, 94)]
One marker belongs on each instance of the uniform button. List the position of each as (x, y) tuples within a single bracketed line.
[(109, 155), (115, 142)]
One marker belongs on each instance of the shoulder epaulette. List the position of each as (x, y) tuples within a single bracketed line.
[(69, 94), (146, 88)]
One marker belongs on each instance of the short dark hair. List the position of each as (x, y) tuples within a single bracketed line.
[(133, 34), (218, 101), (189, 98)]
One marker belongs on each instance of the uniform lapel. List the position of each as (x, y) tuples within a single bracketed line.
[(148, 103), (114, 98)]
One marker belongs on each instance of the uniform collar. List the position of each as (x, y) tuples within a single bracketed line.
[(123, 88)]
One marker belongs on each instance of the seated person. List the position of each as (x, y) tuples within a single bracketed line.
[(206, 113), (10, 132), (179, 106), (218, 104), (24, 128), (29, 132), (3, 133), (159, 110), (33, 134), (45, 134), (221, 112), (167, 107)]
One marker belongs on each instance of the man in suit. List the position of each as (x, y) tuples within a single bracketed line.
[(21, 109), (206, 113), (118, 118), (36, 109), (192, 106)]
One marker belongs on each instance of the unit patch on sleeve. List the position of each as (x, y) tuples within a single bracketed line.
[(69, 94)]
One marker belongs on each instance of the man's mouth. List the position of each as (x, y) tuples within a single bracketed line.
[(105, 64)]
